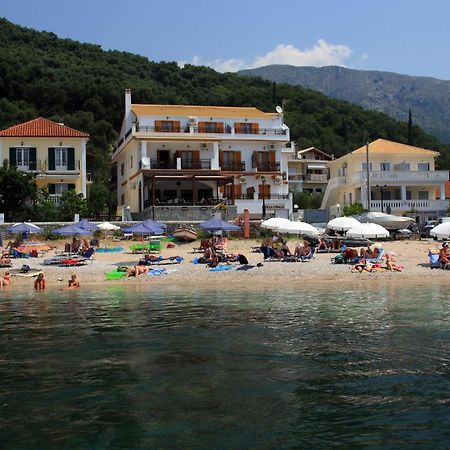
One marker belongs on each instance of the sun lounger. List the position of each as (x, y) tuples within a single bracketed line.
[(72, 262), (160, 261), (378, 259)]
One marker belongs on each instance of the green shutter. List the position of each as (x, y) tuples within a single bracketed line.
[(51, 159), (51, 188), (71, 187), (32, 153), (12, 157), (70, 159)]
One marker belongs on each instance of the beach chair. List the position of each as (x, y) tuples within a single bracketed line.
[(378, 259), (88, 255), (434, 261), (307, 257), (160, 261)]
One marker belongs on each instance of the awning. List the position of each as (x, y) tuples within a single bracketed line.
[(317, 166)]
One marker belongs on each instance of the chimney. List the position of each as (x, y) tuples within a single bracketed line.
[(127, 102)]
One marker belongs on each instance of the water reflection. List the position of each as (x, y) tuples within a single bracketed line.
[(194, 368)]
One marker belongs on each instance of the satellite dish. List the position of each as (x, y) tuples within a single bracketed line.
[(279, 109), (284, 127), (145, 161)]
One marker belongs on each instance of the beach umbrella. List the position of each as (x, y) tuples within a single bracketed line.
[(84, 223), (154, 223), (218, 225), (298, 228), (144, 228), (106, 226), (367, 230), (388, 221), (24, 227), (441, 231), (274, 222), (342, 223), (72, 230)]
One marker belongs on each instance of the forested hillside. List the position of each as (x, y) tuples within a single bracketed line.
[(82, 85), (392, 93)]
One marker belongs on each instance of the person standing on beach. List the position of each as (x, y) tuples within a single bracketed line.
[(39, 284), (6, 280)]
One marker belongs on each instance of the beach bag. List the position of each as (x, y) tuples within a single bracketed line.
[(339, 259), (25, 268)]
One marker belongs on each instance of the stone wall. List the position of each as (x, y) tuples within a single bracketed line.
[(184, 213)]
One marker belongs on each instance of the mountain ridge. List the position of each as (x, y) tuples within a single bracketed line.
[(387, 92)]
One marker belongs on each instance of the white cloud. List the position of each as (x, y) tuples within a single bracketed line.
[(322, 54)]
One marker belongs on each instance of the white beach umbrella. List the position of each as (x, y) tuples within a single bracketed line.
[(342, 223), (298, 228), (441, 231), (274, 223), (106, 226), (367, 230)]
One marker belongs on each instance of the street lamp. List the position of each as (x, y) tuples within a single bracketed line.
[(263, 181), (382, 190)]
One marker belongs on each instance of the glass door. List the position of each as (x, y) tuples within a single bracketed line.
[(60, 158), (23, 158)]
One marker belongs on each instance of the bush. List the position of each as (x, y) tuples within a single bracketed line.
[(353, 209)]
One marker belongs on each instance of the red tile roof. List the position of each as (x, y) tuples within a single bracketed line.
[(41, 127)]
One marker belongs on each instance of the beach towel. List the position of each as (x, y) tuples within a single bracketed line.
[(245, 267), (156, 272), (221, 268), (115, 275), (110, 250)]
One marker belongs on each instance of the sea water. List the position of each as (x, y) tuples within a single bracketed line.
[(222, 368)]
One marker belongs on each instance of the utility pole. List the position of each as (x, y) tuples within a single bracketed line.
[(367, 176)]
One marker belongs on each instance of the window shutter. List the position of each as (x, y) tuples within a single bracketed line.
[(176, 126), (70, 187), (237, 128), (196, 155), (157, 125), (32, 156), (237, 190), (221, 158), (255, 128), (70, 159), (237, 158), (12, 157), (219, 127), (272, 156), (51, 159), (51, 188), (201, 127)]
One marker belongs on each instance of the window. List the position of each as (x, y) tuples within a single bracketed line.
[(403, 167), (385, 166), (423, 195), (167, 126), (122, 199), (131, 161), (364, 167), (423, 166), (408, 195), (122, 169), (60, 158), (246, 128), (22, 158)]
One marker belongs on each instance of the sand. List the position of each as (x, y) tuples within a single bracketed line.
[(318, 271)]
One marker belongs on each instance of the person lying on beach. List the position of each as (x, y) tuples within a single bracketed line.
[(391, 263), (136, 271), (368, 252), (362, 266), (302, 250), (39, 284), (73, 283), (6, 280)]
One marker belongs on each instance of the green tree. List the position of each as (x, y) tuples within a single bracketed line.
[(98, 199), (71, 204), (17, 193), (353, 209), (307, 200)]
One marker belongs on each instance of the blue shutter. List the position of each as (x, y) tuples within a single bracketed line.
[(32, 156), (51, 159), (12, 157), (70, 187), (51, 188), (70, 159)]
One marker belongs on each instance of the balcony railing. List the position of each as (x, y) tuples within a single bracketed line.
[(236, 166), (55, 198), (268, 167), (42, 166), (408, 205), (227, 129), (201, 164), (158, 164), (431, 176)]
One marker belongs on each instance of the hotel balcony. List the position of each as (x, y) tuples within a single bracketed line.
[(267, 166), (409, 205), (236, 166), (179, 164), (42, 167), (195, 130), (393, 177)]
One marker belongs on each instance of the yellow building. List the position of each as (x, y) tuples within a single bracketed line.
[(53, 152), (402, 178)]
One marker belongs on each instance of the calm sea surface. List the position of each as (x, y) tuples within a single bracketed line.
[(217, 368)]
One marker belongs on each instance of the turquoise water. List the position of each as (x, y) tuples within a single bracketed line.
[(216, 368)]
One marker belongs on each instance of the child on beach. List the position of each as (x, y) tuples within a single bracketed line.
[(6, 280), (72, 284), (39, 284)]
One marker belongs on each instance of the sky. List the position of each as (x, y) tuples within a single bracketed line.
[(410, 37)]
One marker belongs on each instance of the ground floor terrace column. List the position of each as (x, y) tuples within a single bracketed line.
[(442, 191), (403, 193)]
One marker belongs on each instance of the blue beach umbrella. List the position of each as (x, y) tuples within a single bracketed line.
[(24, 227), (84, 223), (217, 225), (143, 228), (154, 223), (72, 230)]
